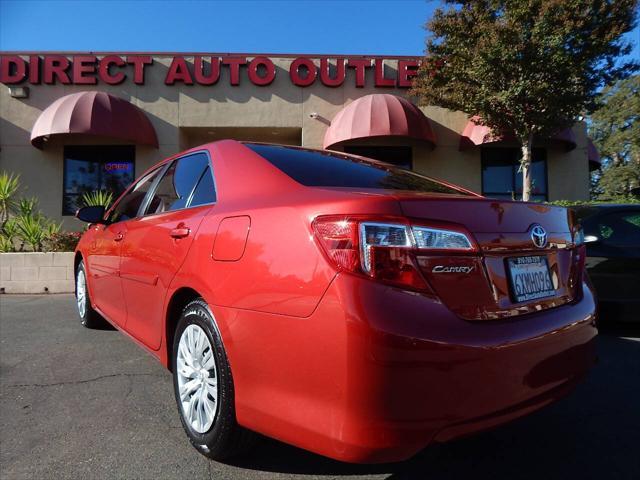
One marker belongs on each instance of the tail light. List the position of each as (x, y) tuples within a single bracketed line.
[(580, 252), (579, 257), (386, 250)]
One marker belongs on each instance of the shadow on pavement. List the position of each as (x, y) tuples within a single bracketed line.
[(273, 456), (593, 433)]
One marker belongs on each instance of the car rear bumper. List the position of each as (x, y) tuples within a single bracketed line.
[(375, 373), (418, 374)]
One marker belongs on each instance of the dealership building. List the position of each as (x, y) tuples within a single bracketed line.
[(77, 122)]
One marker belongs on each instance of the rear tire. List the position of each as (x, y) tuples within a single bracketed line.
[(203, 386), (88, 316)]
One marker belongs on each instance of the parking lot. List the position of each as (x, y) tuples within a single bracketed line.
[(78, 403)]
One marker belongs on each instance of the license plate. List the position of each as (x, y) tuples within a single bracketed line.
[(530, 278)]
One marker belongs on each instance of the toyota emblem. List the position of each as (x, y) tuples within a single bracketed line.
[(538, 236)]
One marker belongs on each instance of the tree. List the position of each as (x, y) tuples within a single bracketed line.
[(615, 124), (619, 182), (524, 67), (615, 130)]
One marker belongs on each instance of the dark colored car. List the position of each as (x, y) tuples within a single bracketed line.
[(612, 236)]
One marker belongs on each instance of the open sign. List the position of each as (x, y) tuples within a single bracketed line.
[(110, 167)]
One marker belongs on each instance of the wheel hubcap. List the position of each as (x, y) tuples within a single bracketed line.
[(197, 379), (81, 293)]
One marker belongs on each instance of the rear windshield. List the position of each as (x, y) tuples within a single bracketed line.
[(320, 169)]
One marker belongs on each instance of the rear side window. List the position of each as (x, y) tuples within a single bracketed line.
[(205, 191), (175, 189), (320, 169)]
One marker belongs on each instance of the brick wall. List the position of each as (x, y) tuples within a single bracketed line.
[(36, 272)]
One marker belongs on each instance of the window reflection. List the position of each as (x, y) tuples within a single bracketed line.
[(91, 168), (502, 177)]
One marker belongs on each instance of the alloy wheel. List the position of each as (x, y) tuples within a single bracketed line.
[(197, 378), (81, 293)]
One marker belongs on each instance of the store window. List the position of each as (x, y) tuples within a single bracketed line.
[(399, 156), (92, 168), (502, 178)]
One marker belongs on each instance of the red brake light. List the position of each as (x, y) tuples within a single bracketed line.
[(396, 266), (339, 238), (385, 250)]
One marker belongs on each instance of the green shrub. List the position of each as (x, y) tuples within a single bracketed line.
[(32, 231), (27, 207), (6, 245), (9, 184), (62, 242), (577, 203), (22, 223)]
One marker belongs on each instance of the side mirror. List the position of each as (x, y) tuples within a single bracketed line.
[(93, 214), (591, 239)]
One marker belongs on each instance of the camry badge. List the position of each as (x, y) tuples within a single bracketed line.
[(452, 269), (538, 236)]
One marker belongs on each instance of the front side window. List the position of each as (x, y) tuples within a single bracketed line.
[(129, 205), (177, 188), (92, 168), (502, 177)]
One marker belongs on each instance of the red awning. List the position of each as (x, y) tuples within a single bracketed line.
[(475, 135), (94, 113), (595, 162), (379, 115)]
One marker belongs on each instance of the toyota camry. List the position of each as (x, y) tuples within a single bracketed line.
[(337, 303)]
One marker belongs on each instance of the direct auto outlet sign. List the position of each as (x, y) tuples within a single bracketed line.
[(204, 70)]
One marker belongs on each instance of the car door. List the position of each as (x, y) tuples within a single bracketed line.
[(613, 254), (103, 256), (156, 244)]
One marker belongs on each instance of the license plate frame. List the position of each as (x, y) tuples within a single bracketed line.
[(529, 278)]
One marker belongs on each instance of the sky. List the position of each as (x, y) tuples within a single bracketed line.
[(293, 26), (367, 27)]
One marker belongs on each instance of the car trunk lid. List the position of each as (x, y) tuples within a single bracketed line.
[(481, 286)]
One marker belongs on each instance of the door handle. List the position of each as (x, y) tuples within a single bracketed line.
[(180, 232), (119, 236)]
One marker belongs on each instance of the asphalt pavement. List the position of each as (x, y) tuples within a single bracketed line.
[(80, 404)]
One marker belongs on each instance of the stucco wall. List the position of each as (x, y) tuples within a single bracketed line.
[(183, 114), (568, 172)]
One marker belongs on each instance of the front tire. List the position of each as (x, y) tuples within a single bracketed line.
[(88, 316), (203, 386)]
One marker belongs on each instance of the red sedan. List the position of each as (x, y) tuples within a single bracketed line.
[(337, 303)]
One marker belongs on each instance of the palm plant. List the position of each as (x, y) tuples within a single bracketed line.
[(21, 220), (9, 234), (97, 198), (28, 207), (32, 230), (6, 245), (9, 184), (52, 228)]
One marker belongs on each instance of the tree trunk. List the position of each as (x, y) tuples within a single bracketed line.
[(525, 166)]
